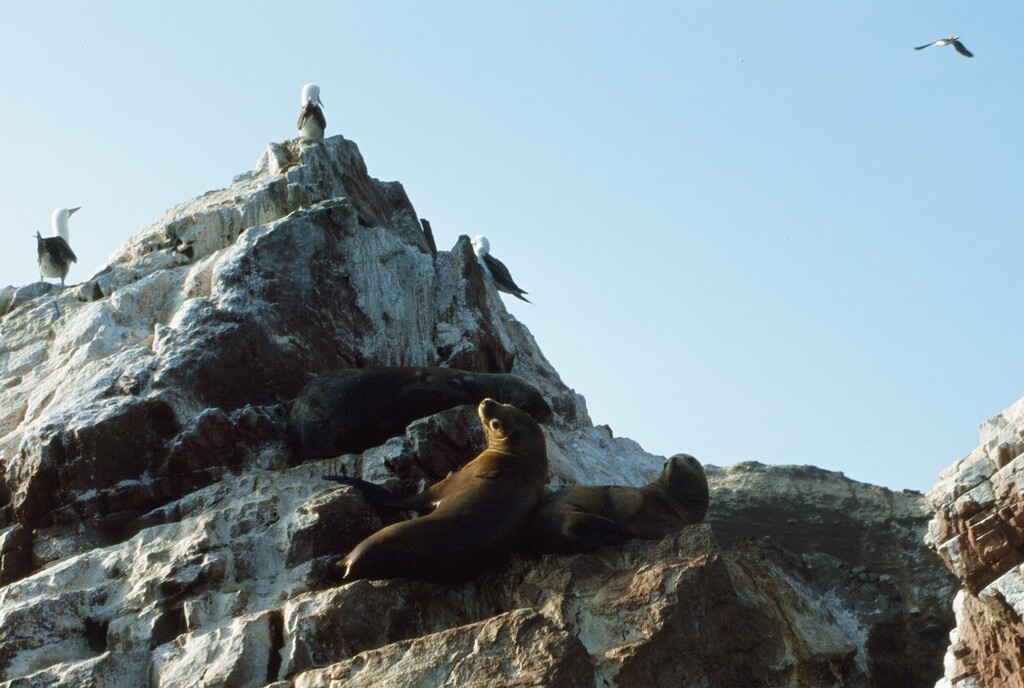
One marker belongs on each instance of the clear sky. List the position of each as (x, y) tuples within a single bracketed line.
[(751, 231)]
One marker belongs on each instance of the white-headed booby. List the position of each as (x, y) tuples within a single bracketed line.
[(495, 268), (55, 254), (311, 120), (954, 41)]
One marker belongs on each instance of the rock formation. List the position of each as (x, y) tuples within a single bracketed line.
[(155, 528), (873, 530), (978, 531)]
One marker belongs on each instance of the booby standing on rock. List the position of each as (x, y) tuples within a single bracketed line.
[(954, 41), (311, 120), (55, 254), (495, 268)]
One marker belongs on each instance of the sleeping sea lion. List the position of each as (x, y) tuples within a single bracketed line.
[(478, 511), (351, 410), (583, 517)]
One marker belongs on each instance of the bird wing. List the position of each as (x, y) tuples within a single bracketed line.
[(60, 247), (502, 277), (962, 50), (311, 110), (922, 47)]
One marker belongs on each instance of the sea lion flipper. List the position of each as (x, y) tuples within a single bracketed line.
[(375, 494), (378, 496)]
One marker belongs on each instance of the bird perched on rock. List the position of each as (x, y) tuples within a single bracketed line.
[(311, 120), (493, 267), (55, 254), (954, 41)]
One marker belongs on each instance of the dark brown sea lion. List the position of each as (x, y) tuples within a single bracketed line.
[(478, 512), (349, 411), (582, 517)]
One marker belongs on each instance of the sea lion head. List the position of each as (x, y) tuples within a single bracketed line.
[(683, 477), (510, 429)]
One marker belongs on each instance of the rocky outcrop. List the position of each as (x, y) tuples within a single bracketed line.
[(978, 531), (167, 369), (809, 511), (156, 529)]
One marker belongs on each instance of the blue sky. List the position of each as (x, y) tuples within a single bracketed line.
[(751, 231)]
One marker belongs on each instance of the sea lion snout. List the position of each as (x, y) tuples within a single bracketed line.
[(487, 409)]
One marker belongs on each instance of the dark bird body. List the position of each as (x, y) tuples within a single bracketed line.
[(55, 254), (499, 274), (55, 257), (312, 120), (312, 124)]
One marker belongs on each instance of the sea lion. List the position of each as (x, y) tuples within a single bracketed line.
[(351, 410), (477, 514), (583, 517)]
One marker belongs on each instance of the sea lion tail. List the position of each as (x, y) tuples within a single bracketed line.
[(375, 494)]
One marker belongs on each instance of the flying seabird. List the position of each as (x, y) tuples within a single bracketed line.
[(55, 254), (954, 41), (311, 120), (495, 268)]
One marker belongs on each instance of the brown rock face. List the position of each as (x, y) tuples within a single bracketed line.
[(518, 648), (676, 612), (809, 511), (978, 531)]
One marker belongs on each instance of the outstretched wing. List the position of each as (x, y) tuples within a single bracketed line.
[(922, 47), (962, 50)]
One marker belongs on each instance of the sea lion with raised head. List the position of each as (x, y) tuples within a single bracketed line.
[(351, 410), (582, 517), (478, 511)]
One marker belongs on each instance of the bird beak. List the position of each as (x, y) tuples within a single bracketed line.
[(71, 211), (319, 101)]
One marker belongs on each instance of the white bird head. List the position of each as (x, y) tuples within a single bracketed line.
[(311, 94), (59, 221), (481, 247)]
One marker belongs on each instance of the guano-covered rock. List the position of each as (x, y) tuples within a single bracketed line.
[(156, 528)]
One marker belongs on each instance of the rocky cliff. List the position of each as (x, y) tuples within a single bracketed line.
[(155, 528), (875, 531), (978, 531)]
